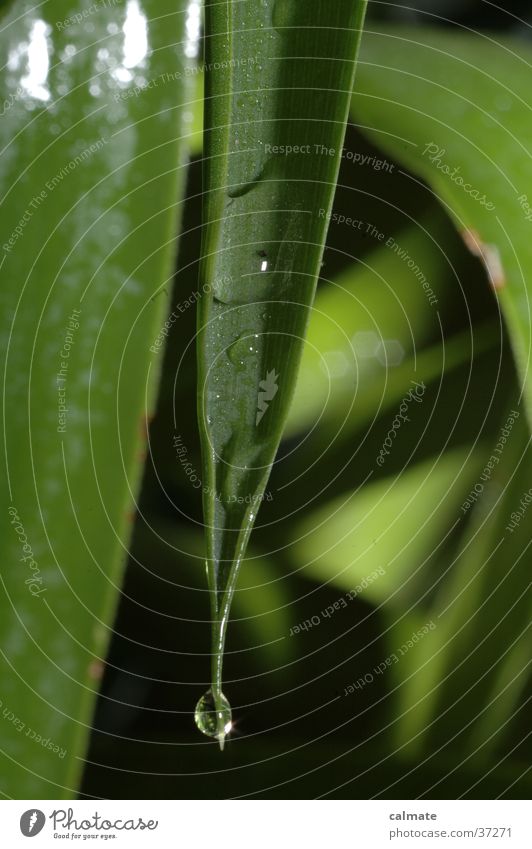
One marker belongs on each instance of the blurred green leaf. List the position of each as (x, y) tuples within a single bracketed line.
[(364, 324), (432, 99), (395, 526), (92, 175), (461, 686), (194, 115), (368, 332)]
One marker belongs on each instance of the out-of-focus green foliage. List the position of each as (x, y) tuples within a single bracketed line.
[(368, 335), (346, 541), (462, 689), (456, 109)]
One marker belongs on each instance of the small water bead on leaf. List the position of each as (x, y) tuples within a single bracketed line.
[(238, 191), (222, 289), (244, 347), (253, 346), (213, 722), (228, 293)]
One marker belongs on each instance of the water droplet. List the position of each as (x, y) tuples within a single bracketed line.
[(212, 722), (244, 188), (223, 289), (244, 347)]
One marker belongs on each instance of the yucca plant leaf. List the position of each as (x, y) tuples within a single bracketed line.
[(432, 99), (92, 141), (278, 76)]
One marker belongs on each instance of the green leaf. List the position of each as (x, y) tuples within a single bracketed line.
[(92, 176), (388, 531), (368, 332), (261, 605), (276, 111), (432, 99)]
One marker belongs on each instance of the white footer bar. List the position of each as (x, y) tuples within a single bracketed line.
[(267, 824)]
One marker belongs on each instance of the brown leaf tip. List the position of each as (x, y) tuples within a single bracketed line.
[(488, 254)]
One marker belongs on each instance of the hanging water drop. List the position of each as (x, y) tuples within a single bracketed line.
[(214, 721)]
